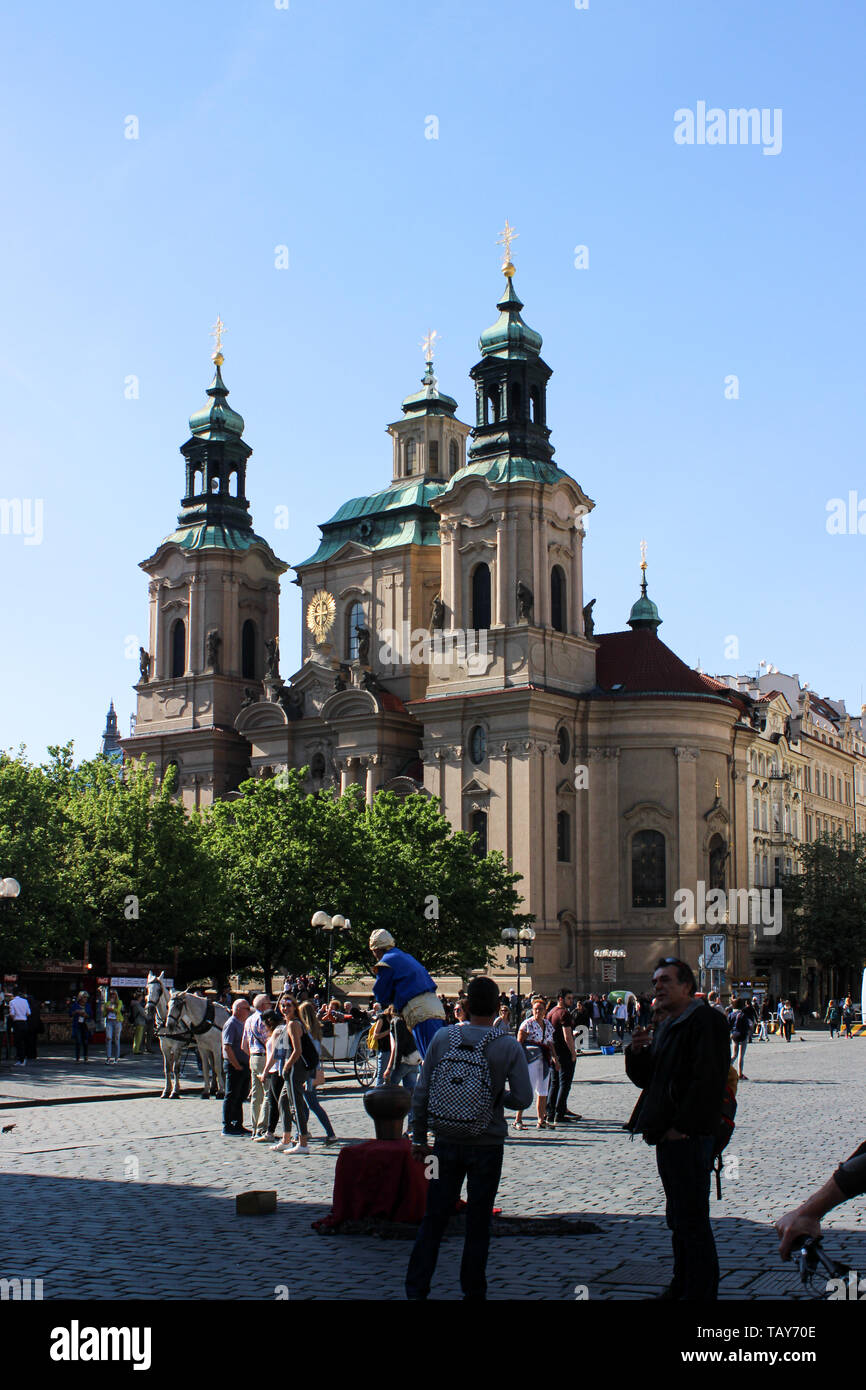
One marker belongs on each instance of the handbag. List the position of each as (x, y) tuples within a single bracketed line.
[(320, 1076)]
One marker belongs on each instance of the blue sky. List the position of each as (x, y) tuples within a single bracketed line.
[(305, 127)]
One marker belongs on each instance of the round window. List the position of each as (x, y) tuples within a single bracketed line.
[(478, 744), (564, 746)]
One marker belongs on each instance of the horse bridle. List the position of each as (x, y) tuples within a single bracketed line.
[(193, 1030)]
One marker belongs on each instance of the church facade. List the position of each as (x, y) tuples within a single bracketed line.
[(448, 651)]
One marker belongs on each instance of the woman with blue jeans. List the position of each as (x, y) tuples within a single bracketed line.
[(309, 1021), (113, 1023)]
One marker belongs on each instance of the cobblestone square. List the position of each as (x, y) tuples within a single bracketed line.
[(130, 1198)]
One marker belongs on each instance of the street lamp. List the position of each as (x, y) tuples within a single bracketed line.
[(329, 924), (510, 936), (9, 888)]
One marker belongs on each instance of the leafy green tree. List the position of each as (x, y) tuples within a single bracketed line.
[(828, 902), (31, 847), (282, 854)]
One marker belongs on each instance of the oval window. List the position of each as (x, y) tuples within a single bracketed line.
[(478, 745), (564, 746)]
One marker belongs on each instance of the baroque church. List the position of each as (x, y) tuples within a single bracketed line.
[(448, 651)]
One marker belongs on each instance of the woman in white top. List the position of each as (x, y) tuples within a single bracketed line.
[(535, 1036)]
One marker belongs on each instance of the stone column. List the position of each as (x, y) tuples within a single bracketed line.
[(342, 766), (502, 571), (370, 789), (687, 814), (536, 540), (575, 617)]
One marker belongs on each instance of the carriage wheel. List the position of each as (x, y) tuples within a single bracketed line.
[(365, 1064)]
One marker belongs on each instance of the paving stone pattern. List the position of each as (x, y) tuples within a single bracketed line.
[(135, 1198)]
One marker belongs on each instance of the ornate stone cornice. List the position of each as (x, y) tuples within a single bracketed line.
[(686, 755)]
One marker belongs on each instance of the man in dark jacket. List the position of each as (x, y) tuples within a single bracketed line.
[(682, 1072)]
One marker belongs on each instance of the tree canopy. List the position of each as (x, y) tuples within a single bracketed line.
[(828, 901)]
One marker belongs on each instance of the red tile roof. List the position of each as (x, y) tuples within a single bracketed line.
[(639, 663)]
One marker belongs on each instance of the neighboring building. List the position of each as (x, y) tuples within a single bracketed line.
[(111, 746), (448, 651)]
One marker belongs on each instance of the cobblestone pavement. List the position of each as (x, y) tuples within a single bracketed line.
[(135, 1198)]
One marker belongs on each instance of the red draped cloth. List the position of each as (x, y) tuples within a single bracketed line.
[(378, 1179)]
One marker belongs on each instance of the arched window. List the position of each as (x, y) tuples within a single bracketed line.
[(557, 599), (248, 650), (433, 455), (756, 815), (171, 776), (514, 401), (648, 878), (215, 484), (481, 597), (317, 767), (178, 648), (411, 451), (478, 826), (491, 407), (564, 746), (232, 479), (197, 481), (535, 406), (563, 837), (453, 456), (354, 619)]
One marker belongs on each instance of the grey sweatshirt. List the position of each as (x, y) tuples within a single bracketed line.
[(507, 1063)]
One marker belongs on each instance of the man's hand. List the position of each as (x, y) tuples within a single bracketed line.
[(793, 1226), (640, 1038)]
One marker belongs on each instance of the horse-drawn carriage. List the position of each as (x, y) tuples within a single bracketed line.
[(347, 1042)]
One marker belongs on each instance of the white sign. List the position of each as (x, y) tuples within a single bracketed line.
[(714, 952), (133, 982)]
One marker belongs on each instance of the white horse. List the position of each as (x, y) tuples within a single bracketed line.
[(191, 1013), (156, 1007)]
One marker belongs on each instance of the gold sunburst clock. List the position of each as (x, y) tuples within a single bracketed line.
[(321, 614)]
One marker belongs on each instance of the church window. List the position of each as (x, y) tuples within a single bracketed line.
[(178, 648), (535, 412), (215, 484), (557, 599), (564, 746), (563, 837), (514, 401), (355, 619), (491, 407), (197, 481), (411, 451), (478, 745), (453, 456), (648, 877), (478, 826), (232, 478), (433, 453), (248, 650), (481, 597)]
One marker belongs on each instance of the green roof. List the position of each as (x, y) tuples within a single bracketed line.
[(509, 468), (399, 515), (204, 537)]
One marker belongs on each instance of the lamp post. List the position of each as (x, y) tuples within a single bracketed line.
[(329, 925), (510, 936), (9, 888)]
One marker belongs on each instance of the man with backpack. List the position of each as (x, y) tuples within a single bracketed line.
[(683, 1071), (471, 1073)]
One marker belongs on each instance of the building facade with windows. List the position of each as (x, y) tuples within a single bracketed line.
[(448, 651)]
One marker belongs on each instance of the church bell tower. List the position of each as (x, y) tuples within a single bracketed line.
[(214, 613)]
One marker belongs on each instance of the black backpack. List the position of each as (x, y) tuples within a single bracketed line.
[(309, 1055)]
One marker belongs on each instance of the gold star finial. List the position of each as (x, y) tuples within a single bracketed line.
[(505, 240), (427, 344), (216, 333)]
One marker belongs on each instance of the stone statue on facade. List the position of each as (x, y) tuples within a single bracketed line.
[(364, 636), (272, 664), (212, 645), (437, 614), (588, 620), (524, 602), (143, 664), (251, 697), (292, 701)]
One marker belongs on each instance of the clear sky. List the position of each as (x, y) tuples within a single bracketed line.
[(306, 127)]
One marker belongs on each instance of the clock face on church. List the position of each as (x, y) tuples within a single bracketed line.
[(321, 612)]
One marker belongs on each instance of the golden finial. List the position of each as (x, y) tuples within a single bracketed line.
[(427, 344), (505, 240), (643, 555), (717, 788), (216, 333)]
